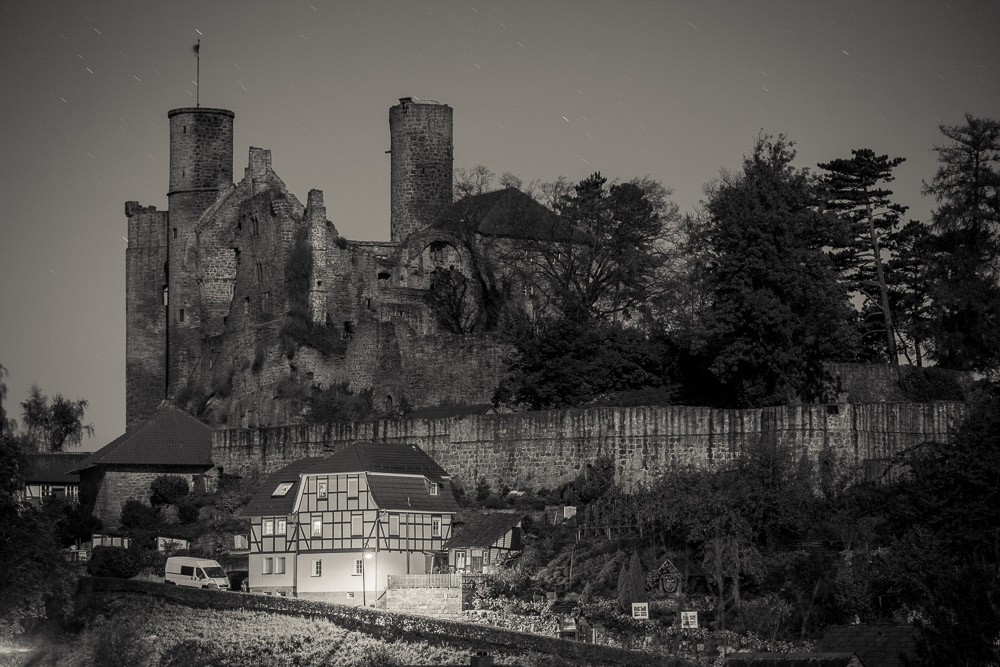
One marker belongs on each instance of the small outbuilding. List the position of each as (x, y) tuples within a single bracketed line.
[(484, 542), (48, 475)]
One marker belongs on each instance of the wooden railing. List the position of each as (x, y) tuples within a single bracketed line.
[(431, 580)]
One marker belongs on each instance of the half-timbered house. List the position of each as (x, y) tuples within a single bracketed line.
[(484, 542), (334, 528)]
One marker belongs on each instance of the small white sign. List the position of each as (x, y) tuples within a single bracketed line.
[(689, 620), (640, 610)]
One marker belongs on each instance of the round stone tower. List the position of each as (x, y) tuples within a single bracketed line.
[(420, 134), (201, 167)]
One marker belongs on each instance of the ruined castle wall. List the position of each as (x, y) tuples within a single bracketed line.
[(145, 312), (544, 449)]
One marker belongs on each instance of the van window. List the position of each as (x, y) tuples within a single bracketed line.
[(201, 573), (215, 572), (187, 571)]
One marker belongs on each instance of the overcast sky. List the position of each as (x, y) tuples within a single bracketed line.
[(673, 90)]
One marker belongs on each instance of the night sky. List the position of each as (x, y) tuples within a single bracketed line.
[(673, 90)]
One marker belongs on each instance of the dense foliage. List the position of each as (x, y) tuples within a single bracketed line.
[(167, 490)]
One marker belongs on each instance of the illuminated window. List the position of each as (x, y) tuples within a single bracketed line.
[(268, 565), (352, 487), (317, 530), (436, 526), (282, 489), (357, 525), (268, 527), (317, 568), (321, 490)]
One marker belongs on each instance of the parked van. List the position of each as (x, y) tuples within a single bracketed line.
[(197, 572)]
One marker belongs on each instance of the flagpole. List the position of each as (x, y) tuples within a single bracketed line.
[(197, 82)]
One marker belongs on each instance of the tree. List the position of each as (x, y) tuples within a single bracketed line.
[(473, 181), (910, 286), (631, 584), (601, 261), (168, 489), (777, 308), (50, 427), (852, 189), (964, 312)]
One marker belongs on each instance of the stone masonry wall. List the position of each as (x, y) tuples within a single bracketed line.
[(119, 486), (544, 449), (436, 602)]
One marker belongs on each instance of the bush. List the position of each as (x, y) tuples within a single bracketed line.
[(137, 515), (924, 385), (187, 511), (112, 562), (168, 489)]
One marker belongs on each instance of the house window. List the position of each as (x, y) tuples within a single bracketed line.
[(352, 487), (268, 527), (279, 565), (317, 568), (282, 489), (357, 525), (281, 527), (268, 565), (317, 530), (321, 490), (359, 566), (394, 524), (350, 595), (434, 488), (436, 526)]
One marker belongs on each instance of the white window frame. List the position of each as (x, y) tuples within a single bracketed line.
[(279, 565), (359, 567), (268, 565), (267, 528), (317, 527), (361, 524), (435, 526), (317, 568), (434, 488), (281, 527), (322, 489)]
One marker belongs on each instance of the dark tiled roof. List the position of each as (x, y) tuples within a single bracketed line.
[(509, 213), (169, 437), (374, 457), (53, 468), (484, 529), (792, 660), (407, 494), (876, 645), (444, 411), (264, 504)]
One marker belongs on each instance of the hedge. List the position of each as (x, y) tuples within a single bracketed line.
[(388, 626)]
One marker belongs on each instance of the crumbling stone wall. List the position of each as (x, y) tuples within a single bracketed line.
[(120, 484), (544, 449)]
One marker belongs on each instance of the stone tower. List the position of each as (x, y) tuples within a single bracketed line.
[(422, 154), (201, 168)]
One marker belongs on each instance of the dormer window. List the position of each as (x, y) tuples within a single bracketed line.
[(282, 489), (434, 488)]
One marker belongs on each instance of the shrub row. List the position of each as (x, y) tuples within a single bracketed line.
[(383, 625)]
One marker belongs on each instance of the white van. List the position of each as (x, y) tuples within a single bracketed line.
[(197, 572)]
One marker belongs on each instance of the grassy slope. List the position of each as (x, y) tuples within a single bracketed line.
[(138, 627)]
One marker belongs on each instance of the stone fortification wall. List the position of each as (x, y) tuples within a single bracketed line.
[(437, 602), (544, 449)]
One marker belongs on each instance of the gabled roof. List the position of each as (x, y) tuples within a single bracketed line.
[(375, 457), (445, 411), (793, 660), (509, 213), (410, 494), (876, 645), (264, 503), (53, 468), (484, 529), (169, 438)]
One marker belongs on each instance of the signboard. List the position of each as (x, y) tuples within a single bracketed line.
[(689, 620), (640, 610)]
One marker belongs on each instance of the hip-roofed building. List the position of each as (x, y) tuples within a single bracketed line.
[(334, 528)]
